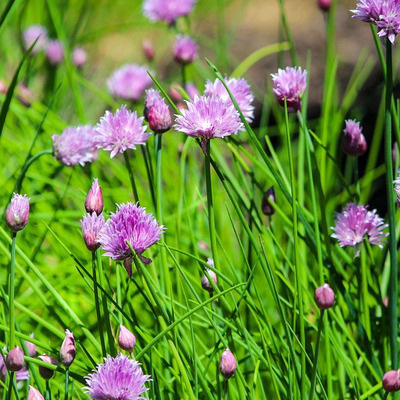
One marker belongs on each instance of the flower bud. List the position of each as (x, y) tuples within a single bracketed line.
[(185, 50), (68, 350), (227, 365), (54, 52), (15, 359), (267, 200), (31, 347), (354, 143), (79, 57), (174, 94), (391, 381), (159, 118), (324, 5), (126, 339), (91, 227), (324, 297), (205, 283), (34, 394), (94, 199), (3, 87), (148, 50), (47, 373), (17, 213)]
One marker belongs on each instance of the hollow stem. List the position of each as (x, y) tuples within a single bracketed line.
[(131, 177), (66, 383), (11, 291), (316, 355)]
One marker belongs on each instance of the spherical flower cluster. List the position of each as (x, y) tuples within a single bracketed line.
[(91, 225), (120, 131), (354, 143), (383, 13), (208, 118), (54, 52), (156, 112), (354, 223), (240, 90), (290, 84), (32, 33), (129, 82), (167, 10), (185, 49), (79, 57), (75, 145), (118, 378), (17, 213)]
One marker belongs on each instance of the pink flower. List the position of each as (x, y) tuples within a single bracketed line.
[(185, 49), (167, 10)]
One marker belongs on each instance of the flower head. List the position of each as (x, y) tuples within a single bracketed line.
[(54, 52), (79, 57), (21, 375), (156, 112), (167, 10), (240, 90), (32, 33), (68, 350), (227, 365), (34, 394), (354, 223), (120, 131), (290, 84), (391, 381), (15, 359), (129, 82), (126, 339), (208, 118), (17, 213), (94, 199), (185, 49), (75, 145), (47, 373), (119, 378), (92, 224), (324, 296), (354, 143)]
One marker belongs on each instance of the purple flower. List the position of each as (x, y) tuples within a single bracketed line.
[(130, 224), (148, 49), (167, 10), (157, 112), (240, 90), (126, 339), (68, 349), (54, 52), (383, 13), (32, 33), (208, 118), (290, 83), (75, 145), (91, 228), (354, 143), (120, 131), (227, 365), (129, 82), (391, 381), (191, 90), (34, 394), (354, 223), (324, 296), (17, 213), (21, 375), (94, 199), (185, 49), (119, 378), (79, 57)]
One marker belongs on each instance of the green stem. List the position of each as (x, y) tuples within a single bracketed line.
[(316, 355), (393, 286), (184, 80), (66, 383), (48, 391), (131, 177), (11, 291), (10, 387), (97, 303), (364, 294)]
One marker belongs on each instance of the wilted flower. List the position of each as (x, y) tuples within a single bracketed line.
[(120, 131), (290, 84), (208, 118), (205, 283), (384, 14), (126, 339), (47, 373), (391, 381), (118, 378), (397, 187), (240, 90), (54, 52), (185, 49), (354, 143), (167, 10), (32, 33), (148, 49), (21, 375), (94, 199), (227, 365), (17, 213), (156, 112), (79, 57), (324, 296), (266, 206), (75, 145), (129, 82), (354, 223), (68, 350), (130, 224), (15, 359), (92, 224), (34, 394)]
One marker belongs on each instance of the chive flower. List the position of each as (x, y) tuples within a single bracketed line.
[(79, 57), (391, 381), (92, 224), (354, 143), (54, 52), (21, 375), (167, 10), (185, 50), (17, 213), (156, 112), (94, 199), (227, 364), (68, 349), (34, 394), (32, 33)]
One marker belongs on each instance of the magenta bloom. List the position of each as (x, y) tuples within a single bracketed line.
[(120, 131), (391, 381), (91, 228), (119, 378), (185, 49), (354, 223), (208, 118), (75, 145), (354, 143), (383, 13), (54, 52), (240, 90), (157, 112), (79, 57), (167, 10), (290, 83), (32, 33), (17, 213), (129, 82)]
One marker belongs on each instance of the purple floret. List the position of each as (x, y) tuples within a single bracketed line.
[(185, 49), (167, 10)]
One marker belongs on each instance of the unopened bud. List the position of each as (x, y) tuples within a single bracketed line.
[(94, 199), (354, 143), (148, 50), (205, 283), (68, 350), (17, 213), (34, 394), (159, 118), (227, 365), (324, 297), (324, 5), (47, 373), (126, 339), (391, 381), (267, 201), (31, 347), (79, 57), (15, 359)]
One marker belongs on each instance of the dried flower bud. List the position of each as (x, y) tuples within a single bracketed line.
[(15, 359), (34, 394), (227, 365), (324, 5), (126, 339), (148, 50), (267, 200), (354, 143), (17, 213), (47, 373), (94, 199), (31, 347), (68, 350), (205, 283), (324, 297), (391, 381)]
